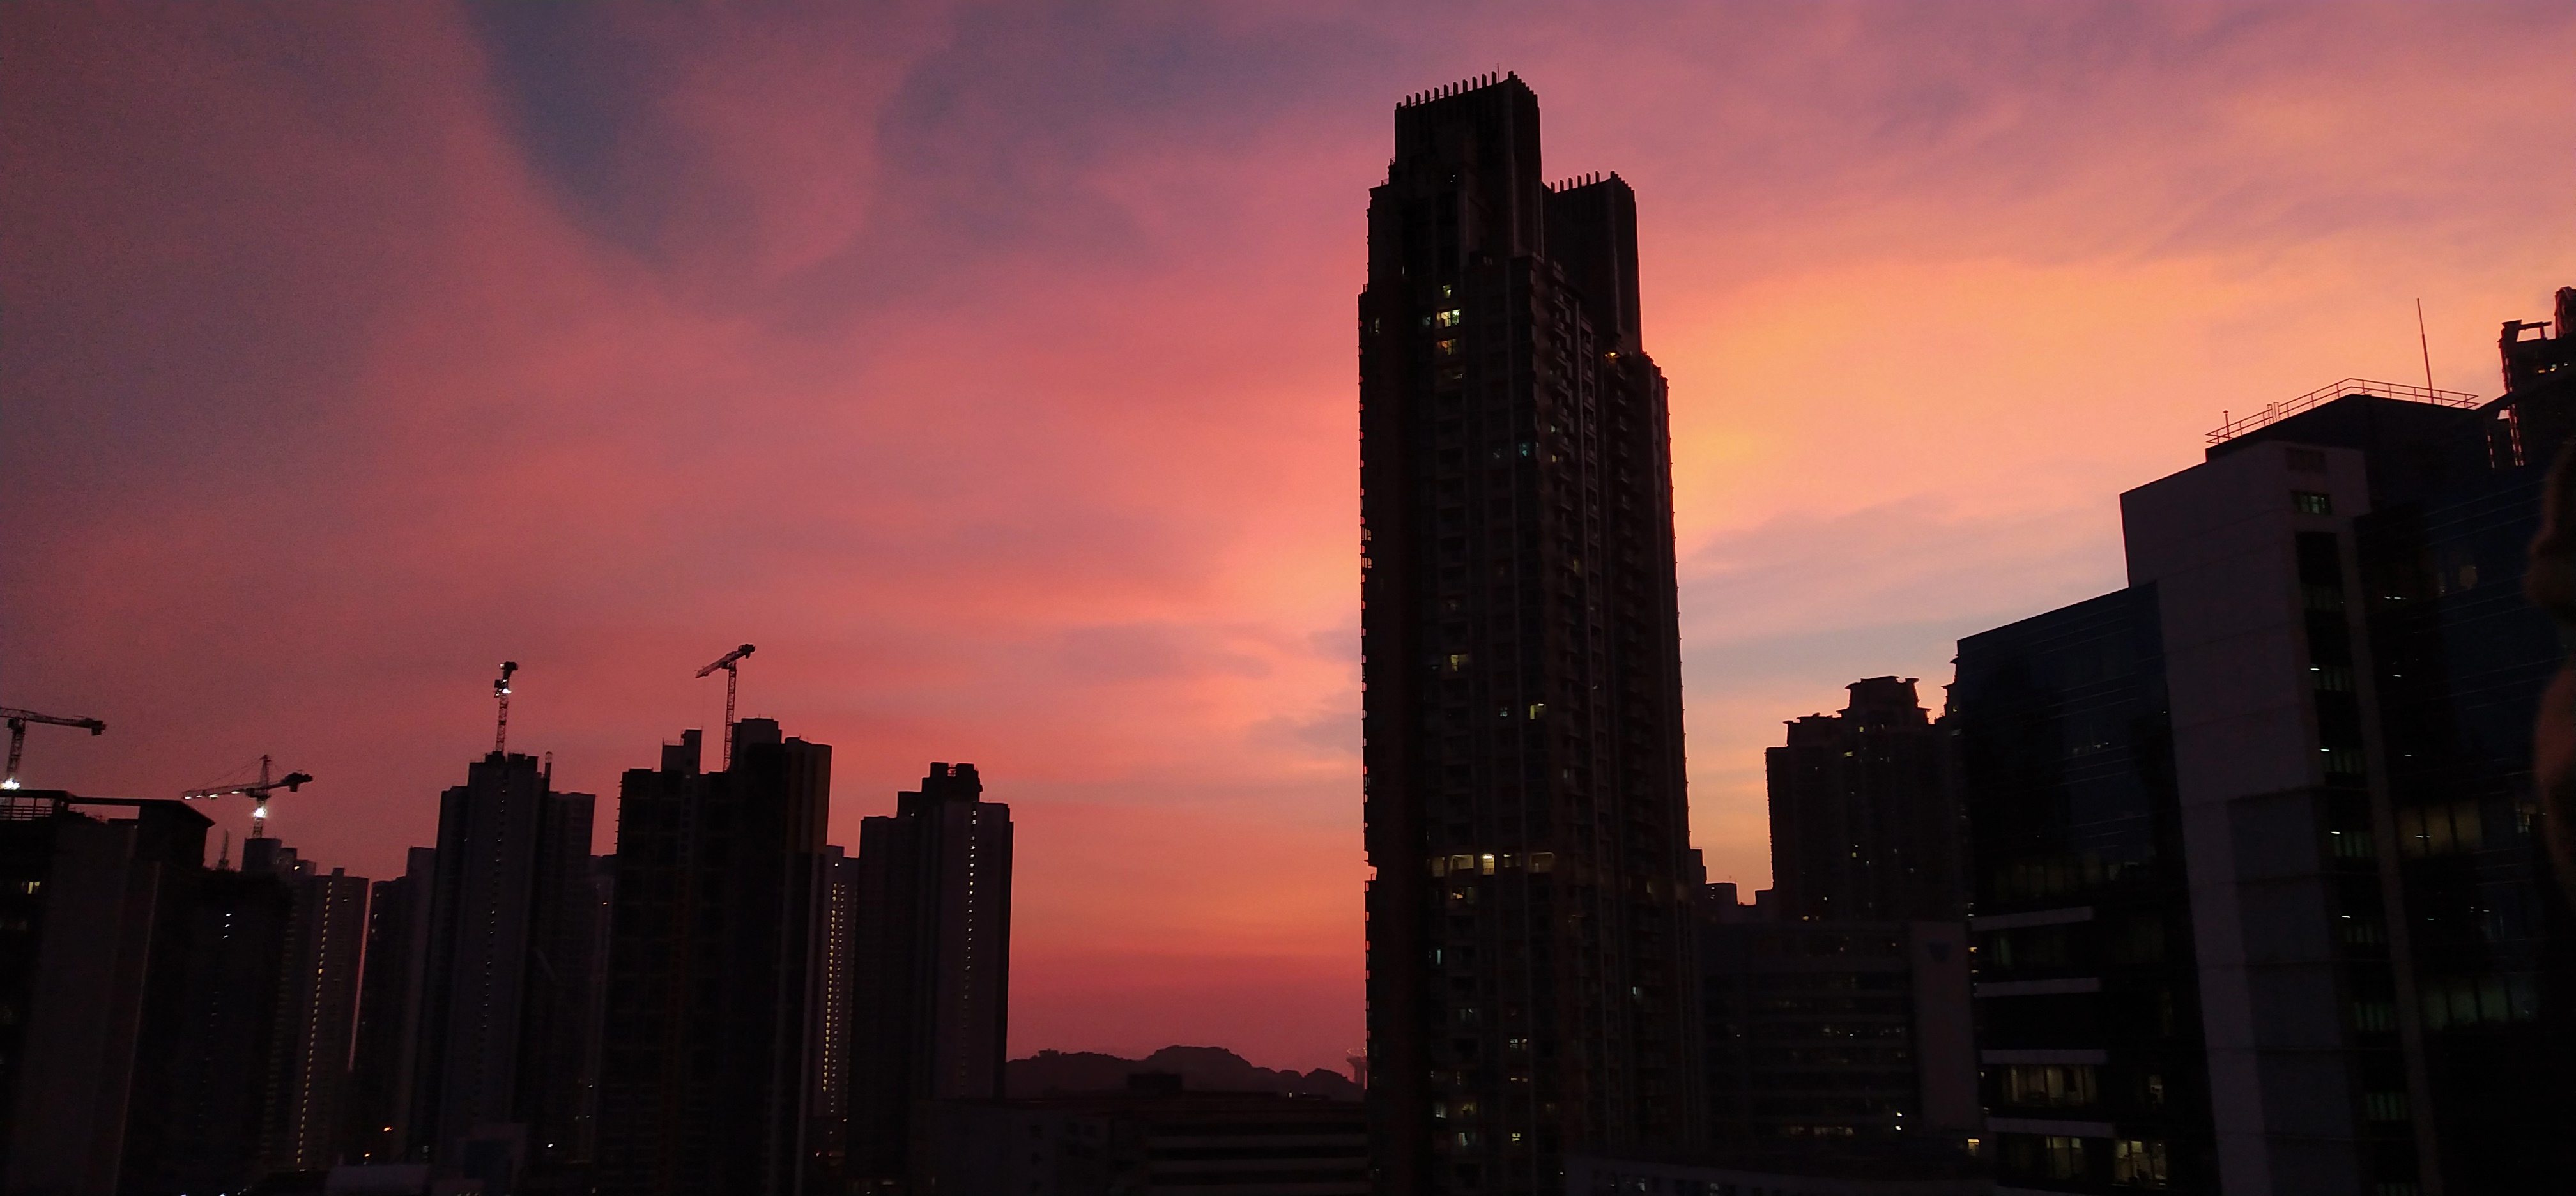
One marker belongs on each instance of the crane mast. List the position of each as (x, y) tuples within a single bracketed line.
[(501, 694), (731, 663)]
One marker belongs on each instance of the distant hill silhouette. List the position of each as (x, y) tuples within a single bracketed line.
[(1201, 1068)]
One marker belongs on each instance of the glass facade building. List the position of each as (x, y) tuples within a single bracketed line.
[(2087, 995), (2261, 831), (2462, 660)]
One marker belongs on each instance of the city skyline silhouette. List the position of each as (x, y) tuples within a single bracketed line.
[(994, 375)]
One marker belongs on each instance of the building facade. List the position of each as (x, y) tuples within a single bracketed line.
[(1864, 825), (930, 965), (499, 1023), (306, 1119), (2324, 628), (149, 989), (1838, 1038), (2095, 1076), (709, 1038), (827, 1138), (388, 1034), (1530, 984)]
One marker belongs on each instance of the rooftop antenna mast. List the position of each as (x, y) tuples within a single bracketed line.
[(2425, 343), (501, 694), (731, 663)]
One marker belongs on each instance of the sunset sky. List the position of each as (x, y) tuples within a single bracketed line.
[(993, 368)]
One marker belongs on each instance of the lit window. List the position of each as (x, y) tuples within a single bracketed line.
[(2050, 1085), (1449, 319), (1538, 709), (2309, 502), (1446, 348), (2137, 1164)]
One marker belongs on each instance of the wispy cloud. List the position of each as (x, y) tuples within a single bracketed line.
[(990, 367)]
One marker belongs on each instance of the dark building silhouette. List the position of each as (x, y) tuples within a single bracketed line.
[(591, 933), (1848, 1038), (382, 1068), (79, 900), (147, 988), (2088, 989), (706, 1084), (2331, 609), (827, 1136), (1864, 826), (501, 1014), (209, 1034), (930, 964), (305, 1122), (2541, 362), (1530, 988)]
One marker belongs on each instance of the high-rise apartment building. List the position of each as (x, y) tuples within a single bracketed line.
[(930, 965), (499, 1020), (147, 986), (707, 1080), (87, 903), (827, 1136), (1530, 982), (305, 1120), (2294, 756), (1864, 825), (388, 1034)]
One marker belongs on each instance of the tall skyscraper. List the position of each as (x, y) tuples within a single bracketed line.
[(389, 1002), (1530, 984), (305, 1121), (1864, 825), (498, 1018), (707, 1080), (827, 1137), (930, 964)]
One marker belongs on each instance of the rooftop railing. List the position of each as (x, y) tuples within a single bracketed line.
[(2229, 427)]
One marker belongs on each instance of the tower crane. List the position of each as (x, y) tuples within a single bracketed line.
[(18, 720), (731, 663), (501, 693), (258, 790)]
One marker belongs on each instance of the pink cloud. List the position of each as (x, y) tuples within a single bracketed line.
[(992, 369)]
